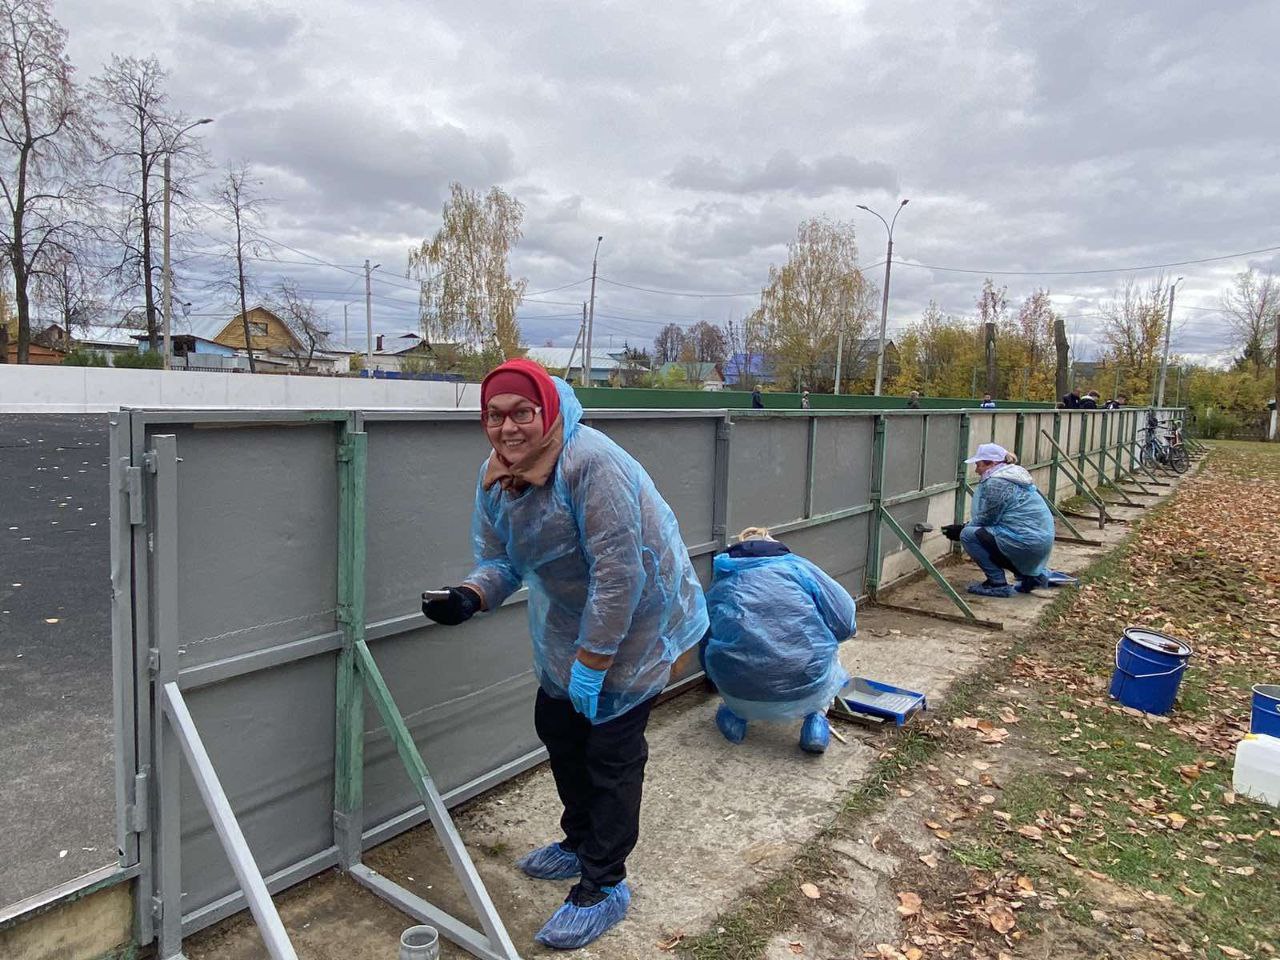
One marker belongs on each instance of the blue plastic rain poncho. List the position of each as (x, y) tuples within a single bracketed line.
[(1008, 504), (776, 625), (606, 568)]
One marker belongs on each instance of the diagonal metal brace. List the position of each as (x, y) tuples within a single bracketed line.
[(498, 943), (925, 562)]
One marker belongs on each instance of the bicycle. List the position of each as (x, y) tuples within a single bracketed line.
[(1170, 453)]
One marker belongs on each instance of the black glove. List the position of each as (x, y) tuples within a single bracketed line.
[(462, 605), (952, 530)]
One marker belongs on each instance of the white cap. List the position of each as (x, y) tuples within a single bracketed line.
[(991, 452)]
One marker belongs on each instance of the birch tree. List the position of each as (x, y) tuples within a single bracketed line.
[(811, 300), (1252, 306), (467, 293)]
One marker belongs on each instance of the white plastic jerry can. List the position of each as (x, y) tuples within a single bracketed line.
[(1257, 772)]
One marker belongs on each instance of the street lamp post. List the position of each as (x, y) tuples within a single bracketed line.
[(166, 276), (884, 301), (1168, 328)]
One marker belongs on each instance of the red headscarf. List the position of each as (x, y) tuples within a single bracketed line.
[(525, 379)]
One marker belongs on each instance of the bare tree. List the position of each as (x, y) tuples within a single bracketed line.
[(709, 344), (46, 133), (1252, 306), (67, 288), (747, 341), (145, 129), (668, 345), (303, 320), (243, 210), (1132, 331)]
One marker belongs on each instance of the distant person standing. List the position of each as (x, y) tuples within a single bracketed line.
[(804, 400), (1116, 402), (913, 401), (1089, 401), (757, 399), (1072, 400), (987, 402)]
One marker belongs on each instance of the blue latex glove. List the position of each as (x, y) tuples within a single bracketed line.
[(584, 688)]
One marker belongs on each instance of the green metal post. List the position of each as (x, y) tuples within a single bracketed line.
[(1102, 447), (1082, 445), (1018, 432), (877, 508), (1053, 463), (348, 788), (962, 470)]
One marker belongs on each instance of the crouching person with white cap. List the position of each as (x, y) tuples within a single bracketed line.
[(1010, 526)]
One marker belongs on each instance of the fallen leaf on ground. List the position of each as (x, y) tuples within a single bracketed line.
[(810, 891), (908, 903), (1031, 832), (930, 860), (671, 942), (1001, 918)]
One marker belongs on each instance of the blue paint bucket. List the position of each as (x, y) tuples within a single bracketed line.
[(1149, 667), (1266, 709)]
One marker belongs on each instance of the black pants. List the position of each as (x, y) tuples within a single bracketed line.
[(599, 774)]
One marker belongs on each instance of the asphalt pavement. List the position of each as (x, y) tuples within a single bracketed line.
[(57, 793)]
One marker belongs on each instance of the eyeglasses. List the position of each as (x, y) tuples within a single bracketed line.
[(521, 415)]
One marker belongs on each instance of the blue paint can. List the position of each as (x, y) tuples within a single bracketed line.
[(1149, 668), (1266, 710)]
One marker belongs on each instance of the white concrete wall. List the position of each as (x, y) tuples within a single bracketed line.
[(50, 389)]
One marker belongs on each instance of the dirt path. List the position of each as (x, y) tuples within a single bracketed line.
[(1043, 819)]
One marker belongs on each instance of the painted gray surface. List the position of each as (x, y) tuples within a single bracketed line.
[(257, 508), (902, 454), (766, 470), (940, 455), (842, 463), (257, 540)]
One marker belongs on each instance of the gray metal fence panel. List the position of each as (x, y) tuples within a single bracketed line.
[(766, 466), (902, 454), (940, 452), (254, 631), (257, 542), (842, 455)]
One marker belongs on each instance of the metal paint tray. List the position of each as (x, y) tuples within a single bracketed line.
[(861, 698)]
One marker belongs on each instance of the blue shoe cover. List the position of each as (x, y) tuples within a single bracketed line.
[(572, 926), (815, 735), (1027, 584), (552, 862), (989, 589), (731, 725)]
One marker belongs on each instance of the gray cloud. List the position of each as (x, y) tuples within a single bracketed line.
[(1031, 137), (239, 25), (783, 172)]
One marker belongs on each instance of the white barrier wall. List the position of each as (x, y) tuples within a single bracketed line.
[(52, 389)]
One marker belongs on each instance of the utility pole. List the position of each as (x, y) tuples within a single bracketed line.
[(1168, 328), (582, 332), (839, 353), (884, 301), (1061, 347), (346, 332), (368, 315), (166, 279), (989, 339), (588, 358)]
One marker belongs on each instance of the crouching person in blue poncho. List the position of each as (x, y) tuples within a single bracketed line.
[(1010, 526), (777, 622), (613, 602)]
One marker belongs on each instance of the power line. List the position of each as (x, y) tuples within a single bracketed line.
[(1082, 273)]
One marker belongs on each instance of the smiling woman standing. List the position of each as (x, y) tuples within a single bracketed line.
[(613, 602)]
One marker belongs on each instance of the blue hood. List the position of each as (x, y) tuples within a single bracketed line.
[(570, 407)]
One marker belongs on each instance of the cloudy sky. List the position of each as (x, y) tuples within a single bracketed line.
[(1031, 138)]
